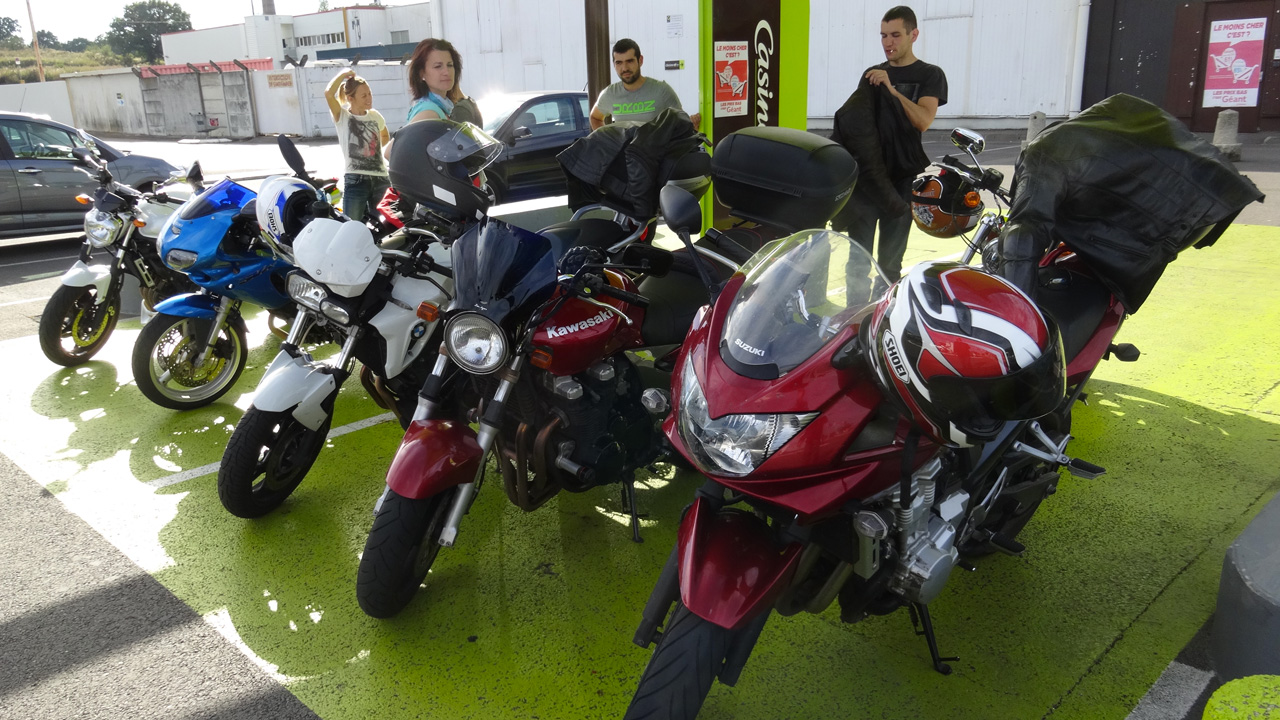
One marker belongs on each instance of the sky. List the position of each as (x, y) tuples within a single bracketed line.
[(70, 19)]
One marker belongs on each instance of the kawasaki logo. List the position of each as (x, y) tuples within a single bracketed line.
[(592, 321), (748, 348), (895, 358), (764, 52), (632, 108)]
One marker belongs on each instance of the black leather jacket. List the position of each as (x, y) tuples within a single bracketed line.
[(1127, 187)]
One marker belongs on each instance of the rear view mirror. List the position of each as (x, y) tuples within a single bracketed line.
[(968, 140), (680, 209), (520, 133), (653, 261), (84, 156), (292, 157), (195, 176)]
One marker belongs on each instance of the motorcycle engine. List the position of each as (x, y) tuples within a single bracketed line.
[(926, 537), (604, 430)]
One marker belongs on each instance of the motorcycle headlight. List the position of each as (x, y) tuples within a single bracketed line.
[(180, 259), (476, 343), (306, 292), (732, 445), (335, 312), (101, 228)]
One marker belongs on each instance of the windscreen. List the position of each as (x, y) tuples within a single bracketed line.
[(466, 144), (502, 271), (226, 195), (799, 293)]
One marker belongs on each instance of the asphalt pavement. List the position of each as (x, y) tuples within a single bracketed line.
[(87, 632)]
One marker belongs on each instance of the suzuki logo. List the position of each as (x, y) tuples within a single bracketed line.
[(895, 358), (748, 348), (764, 54)]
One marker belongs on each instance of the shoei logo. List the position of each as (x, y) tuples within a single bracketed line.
[(895, 358), (274, 225), (764, 54), (592, 321), (748, 348)]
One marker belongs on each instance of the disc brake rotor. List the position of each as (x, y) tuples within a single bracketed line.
[(89, 323), (177, 361)]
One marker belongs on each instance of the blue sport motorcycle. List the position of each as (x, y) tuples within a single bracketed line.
[(193, 350)]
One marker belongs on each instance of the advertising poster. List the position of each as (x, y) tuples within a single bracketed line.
[(1234, 64), (732, 80)]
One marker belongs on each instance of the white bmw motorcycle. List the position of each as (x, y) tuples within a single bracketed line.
[(357, 294)]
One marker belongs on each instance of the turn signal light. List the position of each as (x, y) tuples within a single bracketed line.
[(429, 312), (540, 358), (139, 223), (84, 199), (972, 199)]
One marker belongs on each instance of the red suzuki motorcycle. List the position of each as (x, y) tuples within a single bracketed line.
[(858, 441)]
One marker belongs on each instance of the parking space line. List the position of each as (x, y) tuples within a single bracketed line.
[(22, 302), (1173, 694), (211, 468), (45, 260)]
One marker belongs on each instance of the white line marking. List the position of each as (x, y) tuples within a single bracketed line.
[(211, 468), (33, 262), (1173, 694), (22, 302)]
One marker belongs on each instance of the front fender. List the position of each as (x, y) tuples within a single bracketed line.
[(194, 305), (731, 569), (82, 274), (292, 382), (434, 456)]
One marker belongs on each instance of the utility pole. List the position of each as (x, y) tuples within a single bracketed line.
[(35, 42), (599, 60)]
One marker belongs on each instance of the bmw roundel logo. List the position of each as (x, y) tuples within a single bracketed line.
[(419, 330)]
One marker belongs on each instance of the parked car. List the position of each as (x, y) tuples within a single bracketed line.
[(533, 128), (39, 177)]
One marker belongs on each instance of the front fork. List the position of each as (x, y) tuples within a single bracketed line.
[(429, 402), (225, 306)]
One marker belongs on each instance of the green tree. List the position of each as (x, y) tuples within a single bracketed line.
[(77, 45), (138, 32), (48, 41), (8, 27)]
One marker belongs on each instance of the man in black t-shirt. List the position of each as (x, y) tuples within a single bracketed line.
[(920, 89)]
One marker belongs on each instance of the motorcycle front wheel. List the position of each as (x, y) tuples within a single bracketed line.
[(683, 667), (164, 360), (266, 458), (74, 326), (401, 548)]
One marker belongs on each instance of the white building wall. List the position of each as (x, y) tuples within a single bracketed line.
[(278, 101), (1004, 59), (413, 19), (367, 27), (46, 98), (264, 36), (193, 46), (512, 45)]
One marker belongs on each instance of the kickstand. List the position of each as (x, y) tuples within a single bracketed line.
[(629, 502), (920, 619)]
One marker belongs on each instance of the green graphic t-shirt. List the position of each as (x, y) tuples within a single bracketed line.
[(640, 106)]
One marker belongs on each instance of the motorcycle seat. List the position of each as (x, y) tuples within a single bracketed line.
[(1076, 302), (599, 233), (675, 298)]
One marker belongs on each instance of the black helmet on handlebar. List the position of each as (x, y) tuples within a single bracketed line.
[(439, 163), (945, 205)]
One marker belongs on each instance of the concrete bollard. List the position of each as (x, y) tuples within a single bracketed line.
[(1035, 126), (1226, 134), (1246, 624)]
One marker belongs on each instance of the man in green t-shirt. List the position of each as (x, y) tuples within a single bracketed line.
[(636, 99)]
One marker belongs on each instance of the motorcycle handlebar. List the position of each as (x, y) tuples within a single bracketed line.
[(623, 295)]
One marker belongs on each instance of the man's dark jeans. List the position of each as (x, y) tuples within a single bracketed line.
[(362, 193), (893, 231)]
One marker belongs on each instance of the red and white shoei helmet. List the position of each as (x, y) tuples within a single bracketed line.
[(963, 351)]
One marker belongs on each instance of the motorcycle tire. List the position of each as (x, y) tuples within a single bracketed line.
[(167, 345), (403, 544), (74, 327), (266, 458), (684, 665)]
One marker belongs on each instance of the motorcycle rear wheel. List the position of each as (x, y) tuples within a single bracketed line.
[(403, 544), (266, 458), (683, 667), (74, 326), (169, 343)]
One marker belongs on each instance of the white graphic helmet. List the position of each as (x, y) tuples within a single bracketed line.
[(284, 207)]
